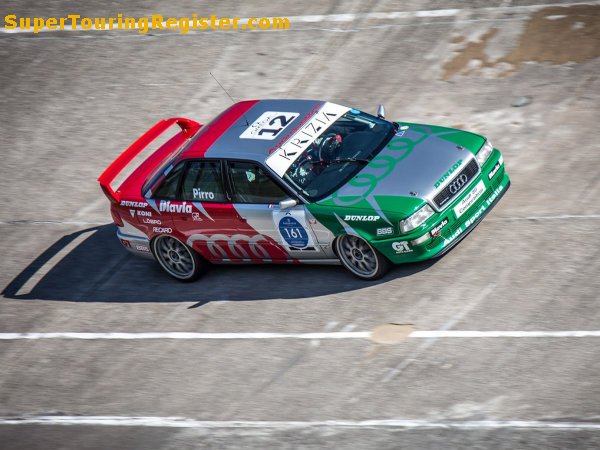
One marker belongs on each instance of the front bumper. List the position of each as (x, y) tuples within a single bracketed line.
[(453, 223)]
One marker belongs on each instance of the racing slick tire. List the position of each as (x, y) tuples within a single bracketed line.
[(360, 258), (177, 259)]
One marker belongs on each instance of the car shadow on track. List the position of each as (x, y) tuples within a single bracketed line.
[(98, 269)]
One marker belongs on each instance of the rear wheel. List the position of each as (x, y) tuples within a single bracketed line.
[(177, 259), (360, 258)]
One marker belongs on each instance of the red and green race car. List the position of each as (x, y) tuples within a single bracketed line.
[(302, 181)]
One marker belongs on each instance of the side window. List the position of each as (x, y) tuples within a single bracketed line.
[(202, 182), (251, 184), (168, 188)]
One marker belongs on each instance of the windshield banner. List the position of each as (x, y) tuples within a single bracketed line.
[(282, 158)]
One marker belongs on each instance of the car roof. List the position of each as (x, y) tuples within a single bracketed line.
[(221, 138)]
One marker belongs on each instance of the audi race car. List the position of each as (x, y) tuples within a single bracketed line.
[(302, 181)]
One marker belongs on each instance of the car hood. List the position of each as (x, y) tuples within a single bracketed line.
[(416, 164)]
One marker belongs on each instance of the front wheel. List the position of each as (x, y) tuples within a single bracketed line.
[(360, 258), (177, 259)]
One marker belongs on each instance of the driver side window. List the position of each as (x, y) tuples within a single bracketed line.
[(251, 184)]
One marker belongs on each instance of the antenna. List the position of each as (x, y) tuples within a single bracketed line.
[(224, 90), (230, 97)]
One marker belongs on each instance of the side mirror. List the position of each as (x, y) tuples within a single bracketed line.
[(381, 112), (287, 203)]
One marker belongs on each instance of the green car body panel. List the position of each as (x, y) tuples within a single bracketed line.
[(374, 211)]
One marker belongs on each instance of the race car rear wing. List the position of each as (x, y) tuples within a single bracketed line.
[(188, 129)]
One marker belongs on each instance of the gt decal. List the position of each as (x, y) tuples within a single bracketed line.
[(401, 247), (361, 218), (384, 231), (268, 125)]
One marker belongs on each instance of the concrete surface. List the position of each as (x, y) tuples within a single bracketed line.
[(70, 102)]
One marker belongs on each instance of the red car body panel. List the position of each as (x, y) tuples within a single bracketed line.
[(226, 235)]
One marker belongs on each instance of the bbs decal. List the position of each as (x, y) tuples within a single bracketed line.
[(384, 231), (268, 125)]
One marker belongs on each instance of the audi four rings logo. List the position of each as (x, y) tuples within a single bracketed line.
[(460, 181)]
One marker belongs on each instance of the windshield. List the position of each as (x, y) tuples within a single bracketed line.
[(338, 154)]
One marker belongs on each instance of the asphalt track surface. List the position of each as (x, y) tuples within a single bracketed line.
[(71, 101)]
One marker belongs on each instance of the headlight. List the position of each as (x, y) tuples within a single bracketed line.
[(416, 219), (484, 152)]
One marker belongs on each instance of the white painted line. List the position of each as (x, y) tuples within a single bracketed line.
[(406, 362), (33, 280), (180, 422), (502, 334), (558, 217), (432, 334), (185, 335)]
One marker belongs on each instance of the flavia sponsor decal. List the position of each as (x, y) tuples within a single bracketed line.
[(435, 231), (165, 205), (448, 173), (133, 204), (494, 170), (362, 218)]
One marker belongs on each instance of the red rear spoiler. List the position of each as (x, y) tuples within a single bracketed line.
[(188, 129)]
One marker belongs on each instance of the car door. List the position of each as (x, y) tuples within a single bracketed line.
[(284, 233)]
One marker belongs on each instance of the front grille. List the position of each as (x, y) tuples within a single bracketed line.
[(448, 231), (464, 176)]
